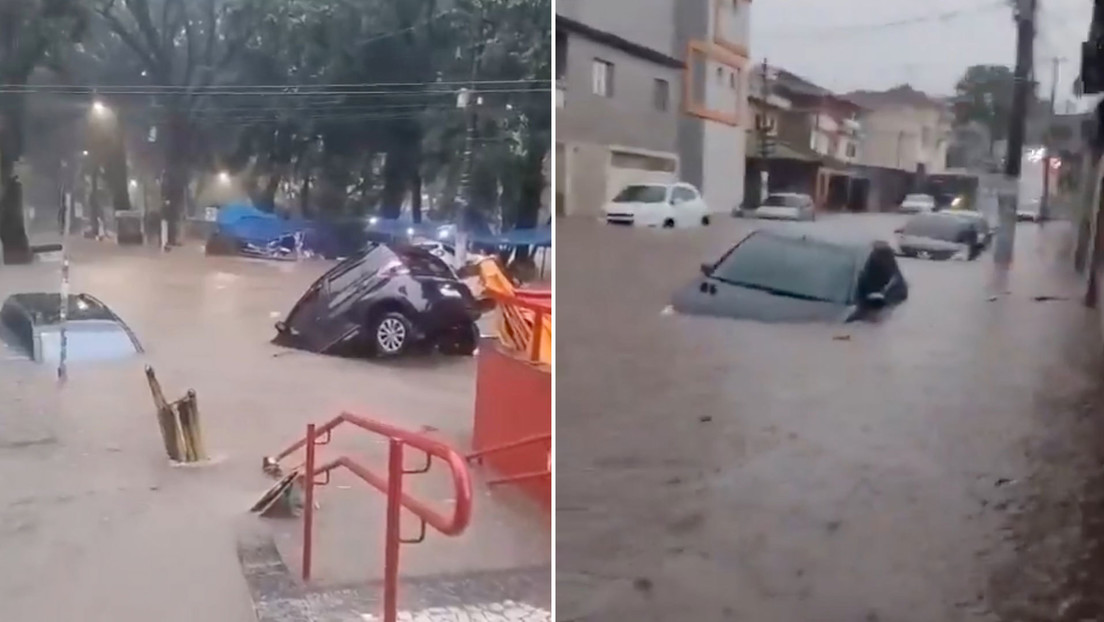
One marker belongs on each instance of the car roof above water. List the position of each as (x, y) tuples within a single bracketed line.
[(45, 308), (859, 243)]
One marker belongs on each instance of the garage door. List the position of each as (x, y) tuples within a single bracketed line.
[(628, 168)]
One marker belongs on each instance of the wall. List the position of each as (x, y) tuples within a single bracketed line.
[(628, 117), (645, 22), (893, 137)]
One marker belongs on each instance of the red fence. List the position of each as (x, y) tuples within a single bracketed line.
[(391, 485)]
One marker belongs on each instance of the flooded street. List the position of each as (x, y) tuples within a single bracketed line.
[(938, 465)]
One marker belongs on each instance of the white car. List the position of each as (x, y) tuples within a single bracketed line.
[(657, 205), (784, 206), (918, 204), (1028, 211)]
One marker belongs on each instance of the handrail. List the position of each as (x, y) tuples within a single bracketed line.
[(477, 456), (392, 486)]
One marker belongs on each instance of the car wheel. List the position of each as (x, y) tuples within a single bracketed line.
[(669, 223), (460, 341), (705, 221), (391, 334)]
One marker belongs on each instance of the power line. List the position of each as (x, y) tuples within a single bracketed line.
[(247, 93), (942, 16), (110, 89)]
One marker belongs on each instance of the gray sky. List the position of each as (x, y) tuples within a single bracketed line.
[(835, 42)]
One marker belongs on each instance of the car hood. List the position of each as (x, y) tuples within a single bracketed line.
[(742, 303)]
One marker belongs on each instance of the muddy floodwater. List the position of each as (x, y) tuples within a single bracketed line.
[(940, 465)]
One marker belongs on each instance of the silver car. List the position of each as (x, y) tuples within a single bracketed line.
[(784, 206)]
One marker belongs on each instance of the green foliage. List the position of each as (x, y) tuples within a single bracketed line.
[(984, 95)]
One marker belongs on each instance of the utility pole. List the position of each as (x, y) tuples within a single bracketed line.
[(1025, 11), (766, 146), (1044, 202), (468, 101)]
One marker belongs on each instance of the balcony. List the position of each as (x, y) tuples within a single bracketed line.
[(560, 90)]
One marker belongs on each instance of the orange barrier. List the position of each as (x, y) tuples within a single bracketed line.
[(392, 486), (524, 316)]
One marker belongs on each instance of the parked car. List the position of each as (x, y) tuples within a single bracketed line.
[(657, 205), (30, 323), (939, 237), (386, 298), (784, 206), (917, 204), (787, 276)]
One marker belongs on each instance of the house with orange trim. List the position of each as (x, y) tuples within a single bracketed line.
[(650, 90)]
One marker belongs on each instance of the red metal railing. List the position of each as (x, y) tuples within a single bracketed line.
[(478, 456), (392, 486)]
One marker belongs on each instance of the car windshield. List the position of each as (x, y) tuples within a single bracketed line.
[(790, 266), (783, 200), (421, 263), (919, 198), (937, 227), (642, 194)]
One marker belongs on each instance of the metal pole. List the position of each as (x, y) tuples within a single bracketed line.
[(308, 508), (764, 135), (469, 139), (63, 293), (1044, 202), (1009, 195), (392, 539)]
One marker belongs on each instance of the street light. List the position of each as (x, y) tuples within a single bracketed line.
[(224, 178), (100, 109)]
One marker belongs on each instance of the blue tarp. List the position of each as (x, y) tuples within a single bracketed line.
[(262, 230)]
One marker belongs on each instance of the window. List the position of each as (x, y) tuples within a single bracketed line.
[(602, 78), (720, 74), (682, 194), (661, 95), (851, 150), (642, 194), (561, 54)]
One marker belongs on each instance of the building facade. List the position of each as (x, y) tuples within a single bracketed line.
[(904, 129), (634, 103)]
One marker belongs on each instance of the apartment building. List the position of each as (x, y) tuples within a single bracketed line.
[(651, 91)]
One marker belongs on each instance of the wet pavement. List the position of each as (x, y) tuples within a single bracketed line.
[(940, 465), (95, 524)]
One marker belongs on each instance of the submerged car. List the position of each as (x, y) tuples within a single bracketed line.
[(657, 205), (785, 276), (784, 206), (387, 297), (30, 323), (980, 222), (940, 237)]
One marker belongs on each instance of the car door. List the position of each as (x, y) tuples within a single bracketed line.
[(688, 206)]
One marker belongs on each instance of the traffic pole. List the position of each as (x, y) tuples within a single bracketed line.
[(63, 293), (1025, 11), (1048, 157)]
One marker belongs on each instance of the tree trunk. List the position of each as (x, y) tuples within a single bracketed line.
[(416, 198), (115, 170), (304, 197), (13, 232), (94, 207), (394, 184), (266, 201), (175, 181)]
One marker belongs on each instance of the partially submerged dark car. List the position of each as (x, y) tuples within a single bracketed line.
[(788, 276), (386, 298), (940, 237), (30, 323)]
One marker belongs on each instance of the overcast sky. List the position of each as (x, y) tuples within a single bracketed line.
[(843, 48)]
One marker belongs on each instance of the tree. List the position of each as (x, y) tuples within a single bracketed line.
[(33, 33), (185, 45), (984, 95)]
